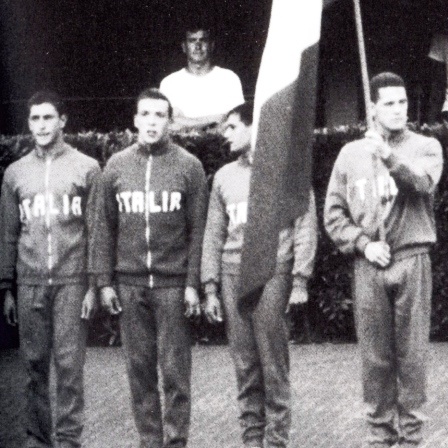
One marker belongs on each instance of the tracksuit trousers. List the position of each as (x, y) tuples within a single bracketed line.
[(392, 311), (156, 334), (259, 347), (50, 323)]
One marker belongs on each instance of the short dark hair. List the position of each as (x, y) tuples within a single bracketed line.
[(47, 96), (245, 111), (196, 26), (154, 94), (385, 79)]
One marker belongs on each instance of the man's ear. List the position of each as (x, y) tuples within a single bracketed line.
[(63, 120), (184, 47)]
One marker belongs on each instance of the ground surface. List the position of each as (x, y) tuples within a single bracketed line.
[(327, 410)]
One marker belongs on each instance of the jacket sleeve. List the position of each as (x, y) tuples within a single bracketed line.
[(418, 174), (305, 244), (10, 230), (196, 207), (93, 177), (339, 225), (214, 240), (105, 229)]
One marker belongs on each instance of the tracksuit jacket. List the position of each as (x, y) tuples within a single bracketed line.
[(46, 215), (151, 211), (227, 216), (363, 190)]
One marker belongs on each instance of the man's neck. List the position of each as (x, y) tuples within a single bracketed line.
[(199, 69), (50, 150), (246, 154), (390, 136), (153, 147)]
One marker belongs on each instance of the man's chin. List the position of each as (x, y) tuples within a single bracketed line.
[(397, 127), (44, 143), (150, 141)]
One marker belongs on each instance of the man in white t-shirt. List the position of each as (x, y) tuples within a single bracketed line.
[(201, 93), (439, 52)]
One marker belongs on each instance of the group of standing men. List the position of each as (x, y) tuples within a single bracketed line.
[(140, 237)]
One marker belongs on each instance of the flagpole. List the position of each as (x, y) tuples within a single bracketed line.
[(363, 61), (366, 90)]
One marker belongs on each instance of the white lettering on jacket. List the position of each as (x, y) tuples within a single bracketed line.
[(237, 213), (41, 205), (384, 187), (137, 201)]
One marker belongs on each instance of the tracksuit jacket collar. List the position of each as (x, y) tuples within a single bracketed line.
[(156, 149), (399, 138), (58, 148)]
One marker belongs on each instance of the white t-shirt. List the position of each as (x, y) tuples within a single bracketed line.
[(439, 52), (439, 48), (217, 92)]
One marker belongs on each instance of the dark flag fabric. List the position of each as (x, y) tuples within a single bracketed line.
[(284, 118)]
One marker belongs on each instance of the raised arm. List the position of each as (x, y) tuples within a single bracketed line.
[(419, 174)]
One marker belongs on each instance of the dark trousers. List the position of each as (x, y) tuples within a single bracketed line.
[(259, 347), (393, 308), (50, 322), (156, 334)]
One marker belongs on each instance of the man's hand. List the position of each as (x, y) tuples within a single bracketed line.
[(380, 146), (299, 295), (10, 309), (212, 309), (109, 300), (191, 300), (378, 252), (89, 304)]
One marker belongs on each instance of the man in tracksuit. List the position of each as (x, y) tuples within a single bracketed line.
[(258, 340), (379, 207), (151, 212), (46, 221)]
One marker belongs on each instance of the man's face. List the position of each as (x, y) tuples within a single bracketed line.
[(197, 46), (391, 109), (45, 124), (152, 120), (237, 133)]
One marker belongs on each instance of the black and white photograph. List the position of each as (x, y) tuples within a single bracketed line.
[(223, 224)]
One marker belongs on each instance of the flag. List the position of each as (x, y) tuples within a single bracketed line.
[(284, 117)]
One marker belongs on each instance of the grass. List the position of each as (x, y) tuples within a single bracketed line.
[(326, 399)]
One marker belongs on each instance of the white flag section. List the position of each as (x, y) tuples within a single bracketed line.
[(293, 27), (284, 118)]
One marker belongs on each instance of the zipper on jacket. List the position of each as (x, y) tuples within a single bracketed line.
[(147, 230), (48, 219)]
